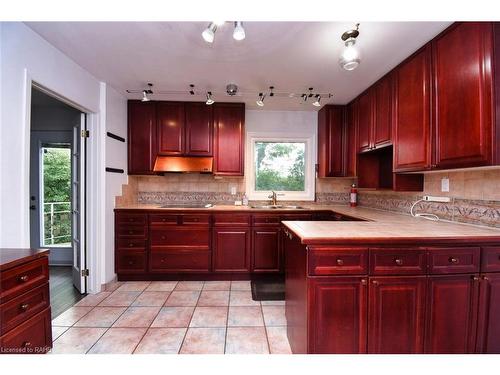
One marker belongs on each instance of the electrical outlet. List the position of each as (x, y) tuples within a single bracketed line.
[(430, 198), (445, 185), (233, 190)]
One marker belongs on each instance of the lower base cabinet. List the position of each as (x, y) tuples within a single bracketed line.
[(488, 338), (338, 324), (396, 315), (451, 314), (231, 250), (266, 254)]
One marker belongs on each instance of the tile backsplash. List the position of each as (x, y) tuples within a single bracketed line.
[(475, 194)]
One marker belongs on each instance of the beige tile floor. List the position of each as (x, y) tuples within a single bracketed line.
[(169, 317)]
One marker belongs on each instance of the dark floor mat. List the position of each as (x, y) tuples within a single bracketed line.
[(268, 290)]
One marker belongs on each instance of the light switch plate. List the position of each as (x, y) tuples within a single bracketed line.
[(445, 185)]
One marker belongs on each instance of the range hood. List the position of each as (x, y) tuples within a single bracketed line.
[(186, 164)]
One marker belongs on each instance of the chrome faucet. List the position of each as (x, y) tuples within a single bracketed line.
[(274, 198)]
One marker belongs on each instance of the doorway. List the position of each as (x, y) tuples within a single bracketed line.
[(57, 194)]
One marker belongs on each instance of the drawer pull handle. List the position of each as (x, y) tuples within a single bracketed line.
[(130, 262), (398, 261), (26, 344), (130, 232), (25, 306), (163, 219), (131, 220), (340, 262), (453, 260), (162, 237), (130, 245), (24, 278)]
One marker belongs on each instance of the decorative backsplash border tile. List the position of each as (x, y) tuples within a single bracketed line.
[(479, 212), (332, 198), (159, 197)]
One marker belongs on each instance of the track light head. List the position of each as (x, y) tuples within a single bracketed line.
[(260, 101), (239, 31), (317, 103), (145, 97), (209, 101), (209, 33)]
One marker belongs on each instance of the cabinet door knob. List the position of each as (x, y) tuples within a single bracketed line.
[(398, 261), (130, 262), (130, 232), (24, 278), (486, 278), (163, 219), (130, 245), (375, 282), (130, 219), (162, 237), (25, 306), (26, 344), (363, 281), (475, 278), (453, 260), (340, 262)]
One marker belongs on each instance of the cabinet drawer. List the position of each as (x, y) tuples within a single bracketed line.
[(164, 219), (138, 219), (409, 261), (130, 244), (19, 280), (23, 307), (180, 237), (180, 261), (454, 260), (335, 261), (131, 231), (34, 336), (130, 261), (231, 219), (265, 220), (195, 219), (490, 259)]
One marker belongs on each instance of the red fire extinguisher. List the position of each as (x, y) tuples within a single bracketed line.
[(354, 196)]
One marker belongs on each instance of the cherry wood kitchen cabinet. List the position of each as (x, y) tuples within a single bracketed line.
[(332, 146), (365, 120), (351, 151), (383, 93), (199, 129), (396, 312), (451, 314), (339, 315), (171, 128), (266, 249), (142, 142), (463, 95), (412, 147), (231, 249), (229, 138)]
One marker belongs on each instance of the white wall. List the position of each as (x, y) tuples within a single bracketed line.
[(25, 56), (25, 53), (116, 157), (281, 121)]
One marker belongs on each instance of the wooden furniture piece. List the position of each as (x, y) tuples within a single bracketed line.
[(379, 297), (332, 141), (201, 244), (191, 129), (25, 321)]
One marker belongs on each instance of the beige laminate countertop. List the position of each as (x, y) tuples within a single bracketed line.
[(232, 208), (389, 227)]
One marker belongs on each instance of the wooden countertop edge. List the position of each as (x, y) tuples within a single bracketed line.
[(25, 259)]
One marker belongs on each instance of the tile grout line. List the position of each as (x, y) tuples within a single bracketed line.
[(187, 328), (265, 328)]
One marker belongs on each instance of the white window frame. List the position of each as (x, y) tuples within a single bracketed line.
[(309, 163)]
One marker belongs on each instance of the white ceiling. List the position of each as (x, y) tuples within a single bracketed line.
[(292, 56)]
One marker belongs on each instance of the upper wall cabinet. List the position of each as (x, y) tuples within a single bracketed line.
[(199, 129), (229, 138), (186, 129), (463, 89), (141, 137), (412, 149), (375, 115), (171, 125), (331, 141)]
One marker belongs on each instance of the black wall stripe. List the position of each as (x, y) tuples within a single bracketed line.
[(114, 170), (114, 136)]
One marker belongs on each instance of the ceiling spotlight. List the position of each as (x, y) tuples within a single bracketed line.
[(350, 59), (147, 92), (209, 33), (239, 31), (317, 103), (304, 98), (209, 101), (260, 102)]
